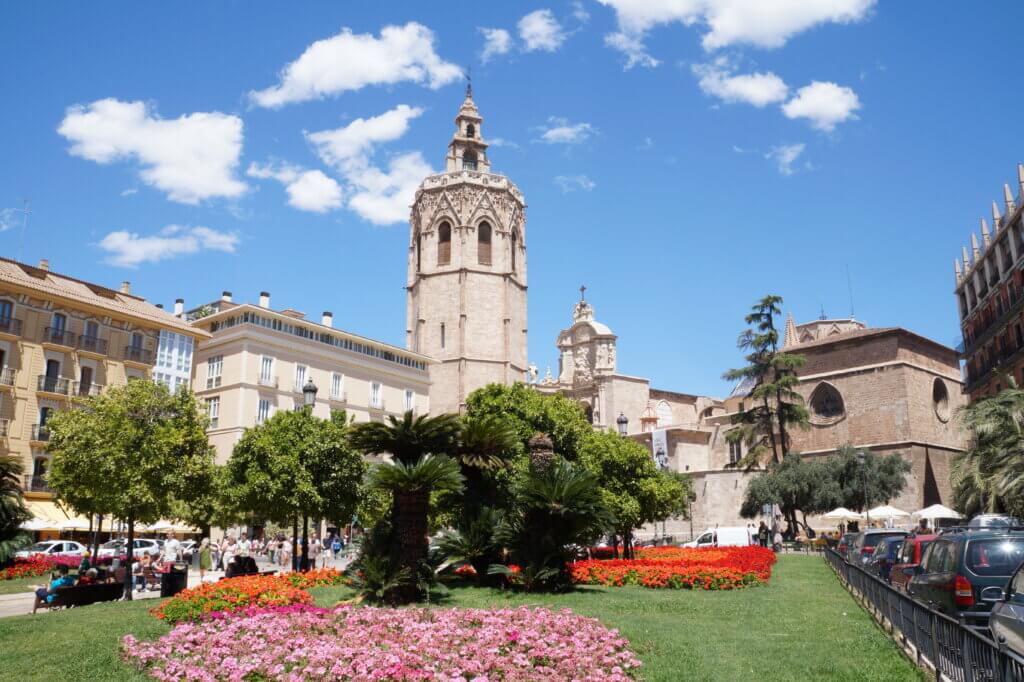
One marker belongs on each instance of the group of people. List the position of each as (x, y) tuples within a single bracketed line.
[(764, 536)]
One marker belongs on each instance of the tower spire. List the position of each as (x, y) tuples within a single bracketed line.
[(467, 150), (790, 337)]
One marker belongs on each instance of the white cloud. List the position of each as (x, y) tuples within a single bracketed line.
[(580, 12), (308, 190), (571, 183), (785, 156), (12, 217), (384, 198), (501, 142), (727, 22), (560, 131), (129, 249), (759, 89), (191, 158), (380, 196), (647, 143), (351, 144), (351, 61), (824, 104), (539, 30), (129, 191), (496, 41)]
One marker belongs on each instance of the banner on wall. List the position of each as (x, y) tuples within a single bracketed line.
[(659, 448)]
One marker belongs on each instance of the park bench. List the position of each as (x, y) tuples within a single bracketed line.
[(83, 595), (152, 578)]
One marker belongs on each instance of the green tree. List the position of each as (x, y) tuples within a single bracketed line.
[(883, 477), (631, 486), (989, 476), (420, 449), (130, 451), (12, 507), (777, 406), (295, 465)]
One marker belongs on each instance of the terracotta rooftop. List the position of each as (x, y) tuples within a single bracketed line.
[(55, 285)]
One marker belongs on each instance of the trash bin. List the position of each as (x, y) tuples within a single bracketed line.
[(174, 580)]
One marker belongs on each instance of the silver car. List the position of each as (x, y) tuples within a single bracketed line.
[(1007, 619)]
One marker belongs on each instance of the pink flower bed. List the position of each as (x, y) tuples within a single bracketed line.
[(362, 643)]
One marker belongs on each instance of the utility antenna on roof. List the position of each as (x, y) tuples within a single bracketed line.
[(24, 224), (583, 291), (849, 289), (469, 81), (822, 316)]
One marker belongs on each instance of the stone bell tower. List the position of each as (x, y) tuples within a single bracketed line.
[(466, 301)]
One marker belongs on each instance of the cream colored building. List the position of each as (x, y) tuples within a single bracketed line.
[(61, 338), (466, 304), (257, 360)]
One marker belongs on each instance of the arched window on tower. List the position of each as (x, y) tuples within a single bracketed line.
[(469, 160), (483, 244), (515, 247), (470, 130), (444, 244)]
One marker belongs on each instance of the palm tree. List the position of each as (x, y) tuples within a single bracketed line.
[(419, 447), (486, 444), (989, 476), (12, 506)]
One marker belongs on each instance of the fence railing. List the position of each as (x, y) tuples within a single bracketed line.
[(954, 651)]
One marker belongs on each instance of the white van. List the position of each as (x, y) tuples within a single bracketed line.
[(736, 536)]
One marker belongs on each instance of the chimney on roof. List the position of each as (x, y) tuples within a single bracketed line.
[(265, 299), (44, 264), (160, 306), (179, 307), (126, 287), (328, 319), (226, 296)]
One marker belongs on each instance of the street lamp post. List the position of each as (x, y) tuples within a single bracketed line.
[(862, 461), (622, 422), (309, 401)]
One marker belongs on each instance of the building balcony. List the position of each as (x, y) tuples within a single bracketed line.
[(37, 484), (10, 327), (270, 382), (55, 385), (40, 433), (91, 345), (379, 405), (7, 378), (55, 336), (88, 390), (138, 356), (341, 397), (5, 428)]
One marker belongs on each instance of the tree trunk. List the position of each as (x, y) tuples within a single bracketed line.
[(128, 561), (295, 542), (615, 546), (96, 537), (771, 432), (304, 566), (410, 539)]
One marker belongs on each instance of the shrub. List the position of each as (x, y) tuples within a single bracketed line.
[(238, 593), (723, 568), (366, 643)]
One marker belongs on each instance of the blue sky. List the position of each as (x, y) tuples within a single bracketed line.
[(763, 152)]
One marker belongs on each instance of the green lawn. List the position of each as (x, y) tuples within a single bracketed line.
[(803, 626), (22, 584)]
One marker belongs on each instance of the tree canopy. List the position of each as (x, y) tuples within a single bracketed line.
[(12, 507)]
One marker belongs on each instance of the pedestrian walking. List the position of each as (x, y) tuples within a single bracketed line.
[(762, 534), (205, 558)]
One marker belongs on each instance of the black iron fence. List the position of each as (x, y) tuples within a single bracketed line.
[(955, 651)]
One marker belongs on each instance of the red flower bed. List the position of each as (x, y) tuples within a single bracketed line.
[(37, 564), (724, 568)]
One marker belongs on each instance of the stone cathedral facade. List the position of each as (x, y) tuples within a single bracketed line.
[(466, 300)]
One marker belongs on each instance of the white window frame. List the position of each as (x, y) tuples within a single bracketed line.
[(213, 411), (337, 386), (410, 400), (262, 410), (267, 370), (301, 374), (214, 369), (376, 394)]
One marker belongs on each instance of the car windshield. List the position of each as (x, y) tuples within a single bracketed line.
[(112, 544), (994, 556), (40, 547), (875, 538)]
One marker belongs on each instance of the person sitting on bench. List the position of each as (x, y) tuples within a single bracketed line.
[(88, 578), (45, 595)]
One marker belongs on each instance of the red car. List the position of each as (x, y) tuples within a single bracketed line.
[(909, 556)]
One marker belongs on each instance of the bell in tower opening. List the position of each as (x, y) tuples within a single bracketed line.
[(466, 300)]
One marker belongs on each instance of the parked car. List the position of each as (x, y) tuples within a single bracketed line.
[(881, 560), (963, 574), (187, 548), (721, 537), (52, 548), (1006, 622), (845, 542), (993, 521), (864, 544), (117, 548), (909, 557)]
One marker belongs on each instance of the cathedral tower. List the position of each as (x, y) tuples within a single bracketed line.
[(466, 302)]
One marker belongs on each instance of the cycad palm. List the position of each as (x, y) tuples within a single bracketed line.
[(12, 506)]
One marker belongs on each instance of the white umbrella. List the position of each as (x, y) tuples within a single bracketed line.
[(160, 526), (76, 523), (885, 511), (842, 514), (37, 524), (938, 511)]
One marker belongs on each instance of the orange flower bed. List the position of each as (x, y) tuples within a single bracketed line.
[(725, 568), (233, 594)]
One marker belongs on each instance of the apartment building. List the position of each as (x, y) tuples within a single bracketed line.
[(62, 338), (258, 359)]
